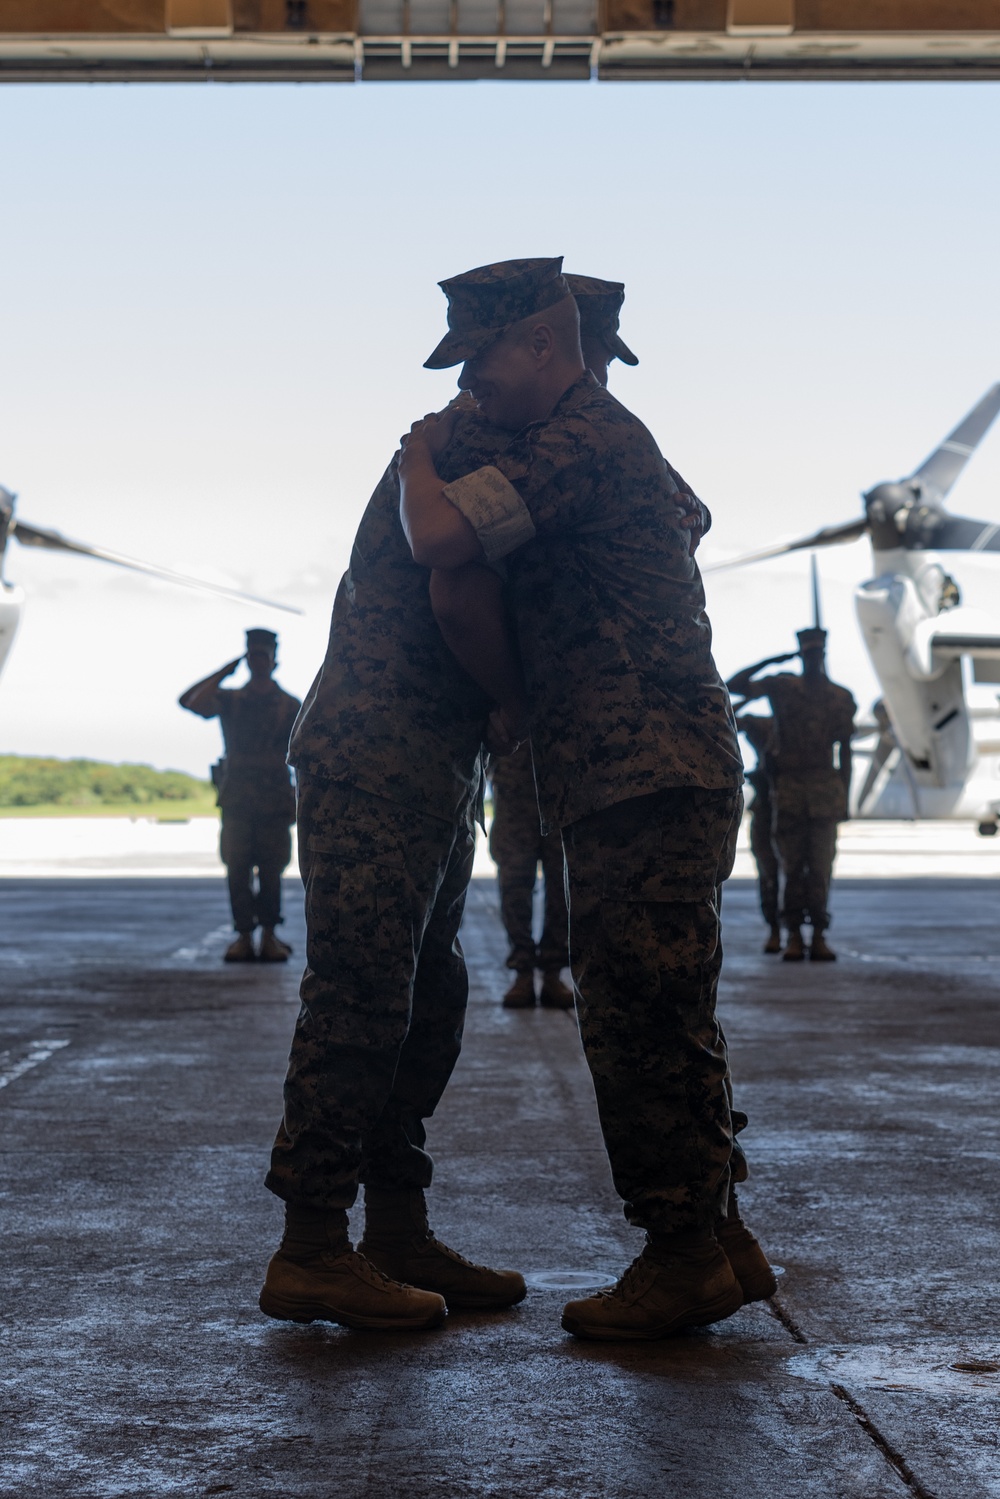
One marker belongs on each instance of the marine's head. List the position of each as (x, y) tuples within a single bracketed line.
[(812, 648), (262, 652), (599, 304), (515, 329)]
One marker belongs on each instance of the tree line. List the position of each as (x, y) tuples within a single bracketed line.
[(29, 781)]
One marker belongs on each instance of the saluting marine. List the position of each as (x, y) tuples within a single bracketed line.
[(812, 717), (255, 792)]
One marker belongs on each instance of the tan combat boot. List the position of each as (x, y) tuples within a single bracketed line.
[(521, 994), (820, 950), (399, 1241), (272, 949), (316, 1276), (679, 1280), (773, 943), (240, 950), (794, 951), (555, 995), (748, 1260)]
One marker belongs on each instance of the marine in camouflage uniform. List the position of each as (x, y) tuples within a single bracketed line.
[(812, 715), (255, 792), (388, 754), (518, 846), (759, 730), (637, 763)]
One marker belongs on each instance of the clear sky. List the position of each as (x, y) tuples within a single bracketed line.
[(216, 302)]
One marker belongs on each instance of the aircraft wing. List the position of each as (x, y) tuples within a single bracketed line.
[(54, 541), (944, 643)]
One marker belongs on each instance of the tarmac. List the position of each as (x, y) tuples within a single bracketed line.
[(139, 1089)]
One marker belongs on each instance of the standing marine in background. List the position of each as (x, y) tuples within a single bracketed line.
[(256, 794), (810, 787), (758, 730), (518, 846)]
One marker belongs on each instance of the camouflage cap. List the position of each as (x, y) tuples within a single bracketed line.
[(485, 302), (811, 640), (600, 302), (262, 640)]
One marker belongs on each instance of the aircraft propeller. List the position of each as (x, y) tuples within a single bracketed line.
[(38, 536), (910, 513)]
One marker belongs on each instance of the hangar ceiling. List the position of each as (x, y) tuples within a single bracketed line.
[(351, 40)]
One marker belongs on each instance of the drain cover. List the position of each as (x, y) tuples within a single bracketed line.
[(569, 1280)]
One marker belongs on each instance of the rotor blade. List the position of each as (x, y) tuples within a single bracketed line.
[(945, 464), (38, 536), (828, 537), (959, 534)]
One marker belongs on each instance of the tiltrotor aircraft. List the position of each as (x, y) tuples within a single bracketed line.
[(12, 597), (935, 756)]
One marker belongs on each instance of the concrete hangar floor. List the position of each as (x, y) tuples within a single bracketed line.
[(140, 1086)]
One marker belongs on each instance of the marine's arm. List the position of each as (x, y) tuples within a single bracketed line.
[(201, 697), (742, 684), (468, 606), (438, 533)]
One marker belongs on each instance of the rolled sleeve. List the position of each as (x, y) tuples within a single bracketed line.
[(494, 510)]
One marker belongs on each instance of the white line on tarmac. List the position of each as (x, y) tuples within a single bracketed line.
[(203, 949), (40, 1052)]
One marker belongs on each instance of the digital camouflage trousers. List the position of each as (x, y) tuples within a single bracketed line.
[(807, 847), (646, 950), (247, 844), (383, 994)]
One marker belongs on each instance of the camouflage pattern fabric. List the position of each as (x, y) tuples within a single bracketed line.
[(256, 726), (608, 606), (391, 711), (383, 995), (600, 304), (646, 951), (246, 844), (811, 715), (807, 847), (518, 846), (484, 303)]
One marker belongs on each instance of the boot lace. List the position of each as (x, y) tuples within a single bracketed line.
[(626, 1283)]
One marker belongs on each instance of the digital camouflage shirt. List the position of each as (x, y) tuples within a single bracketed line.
[(391, 711), (811, 715), (608, 605), (255, 726)]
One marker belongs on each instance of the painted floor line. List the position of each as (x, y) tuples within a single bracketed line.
[(40, 1052), (203, 949)]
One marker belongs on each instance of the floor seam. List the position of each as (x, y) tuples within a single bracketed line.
[(895, 1459)]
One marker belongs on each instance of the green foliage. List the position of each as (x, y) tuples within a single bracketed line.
[(29, 782)]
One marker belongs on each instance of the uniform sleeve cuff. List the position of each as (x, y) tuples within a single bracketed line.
[(494, 510)]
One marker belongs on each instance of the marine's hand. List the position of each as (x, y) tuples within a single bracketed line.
[(692, 520), (502, 737), (434, 432), (227, 671)]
